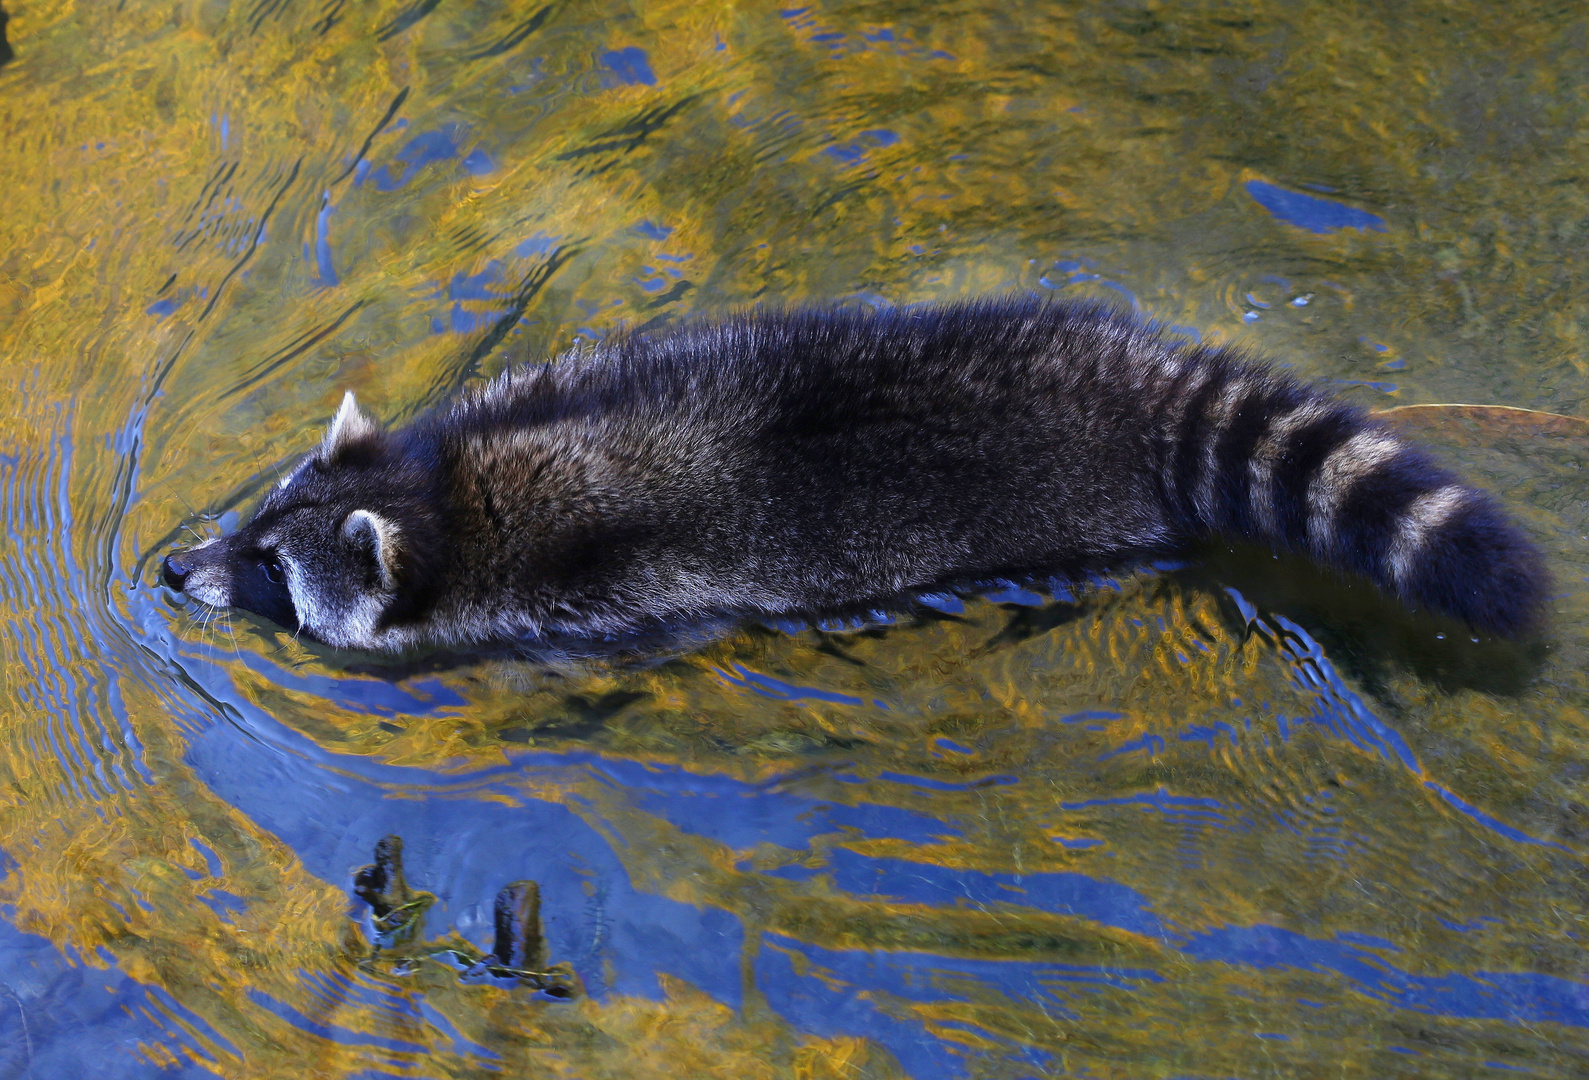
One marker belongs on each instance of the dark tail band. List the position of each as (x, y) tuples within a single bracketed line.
[(1256, 455)]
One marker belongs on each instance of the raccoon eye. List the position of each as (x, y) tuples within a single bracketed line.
[(273, 571)]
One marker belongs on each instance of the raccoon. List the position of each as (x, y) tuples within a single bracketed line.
[(831, 459)]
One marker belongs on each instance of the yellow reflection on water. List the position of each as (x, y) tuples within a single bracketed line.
[(219, 218)]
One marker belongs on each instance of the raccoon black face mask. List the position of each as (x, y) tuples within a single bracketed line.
[(818, 460)]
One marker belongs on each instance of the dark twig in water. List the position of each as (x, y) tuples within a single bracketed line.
[(398, 917)]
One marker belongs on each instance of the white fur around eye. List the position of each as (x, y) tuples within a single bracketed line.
[(368, 526)]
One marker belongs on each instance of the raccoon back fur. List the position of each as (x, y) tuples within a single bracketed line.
[(828, 459)]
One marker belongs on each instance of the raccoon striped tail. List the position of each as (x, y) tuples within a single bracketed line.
[(1256, 455)]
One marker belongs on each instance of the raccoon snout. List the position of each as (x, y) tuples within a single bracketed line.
[(174, 571)]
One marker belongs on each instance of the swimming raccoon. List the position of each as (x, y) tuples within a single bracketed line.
[(827, 459)]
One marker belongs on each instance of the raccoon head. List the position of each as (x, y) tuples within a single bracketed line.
[(324, 554)]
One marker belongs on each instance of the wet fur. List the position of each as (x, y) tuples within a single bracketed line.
[(823, 459)]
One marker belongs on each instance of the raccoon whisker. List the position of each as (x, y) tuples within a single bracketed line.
[(193, 513), (279, 650), (207, 624), (180, 498), (207, 631), (231, 630)]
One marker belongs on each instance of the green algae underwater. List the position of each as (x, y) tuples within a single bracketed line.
[(1226, 819)]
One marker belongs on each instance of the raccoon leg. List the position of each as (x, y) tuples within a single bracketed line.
[(1254, 454)]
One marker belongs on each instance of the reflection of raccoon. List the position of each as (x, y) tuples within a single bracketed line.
[(821, 460)]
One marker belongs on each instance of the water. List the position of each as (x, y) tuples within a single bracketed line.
[(1229, 819)]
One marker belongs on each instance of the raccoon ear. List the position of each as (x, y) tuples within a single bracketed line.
[(349, 427), (379, 537)]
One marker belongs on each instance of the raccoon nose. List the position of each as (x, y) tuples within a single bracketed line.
[(174, 571)]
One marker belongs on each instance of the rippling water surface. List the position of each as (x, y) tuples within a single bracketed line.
[(1227, 819)]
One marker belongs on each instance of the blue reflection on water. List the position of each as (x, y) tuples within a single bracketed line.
[(768, 686), (466, 851), (60, 1017), (538, 244), (463, 286), (1311, 212), (1513, 996), (621, 938), (325, 270), (1342, 711), (1102, 901), (870, 995), (853, 151), (476, 289), (741, 819), (630, 66), (331, 1032), (1489, 822), (479, 163), (421, 150), (1014, 594), (375, 697), (828, 1008)]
